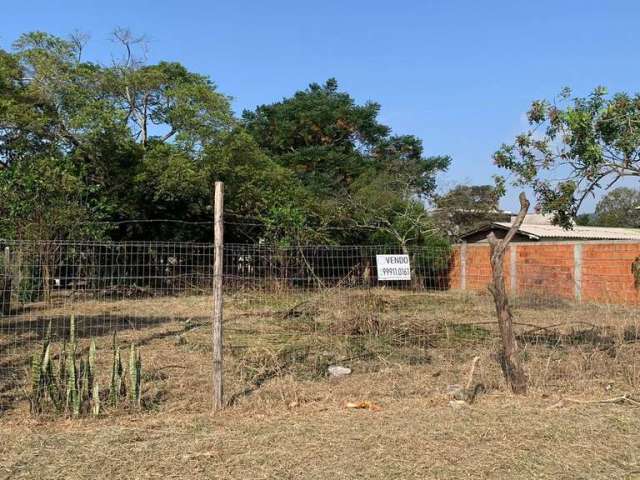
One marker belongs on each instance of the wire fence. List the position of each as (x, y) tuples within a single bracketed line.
[(289, 310)]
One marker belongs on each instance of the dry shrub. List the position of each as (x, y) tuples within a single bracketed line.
[(361, 315)]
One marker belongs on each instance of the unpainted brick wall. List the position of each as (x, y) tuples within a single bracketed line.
[(602, 274)]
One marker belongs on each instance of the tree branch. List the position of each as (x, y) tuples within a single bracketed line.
[(168, 135), (515, 226)]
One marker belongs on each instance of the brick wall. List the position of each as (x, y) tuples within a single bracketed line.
[(606, 272), (584, 271)]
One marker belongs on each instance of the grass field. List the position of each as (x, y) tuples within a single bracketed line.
[(287, 419)]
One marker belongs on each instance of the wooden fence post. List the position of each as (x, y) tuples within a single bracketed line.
[(218, 229)]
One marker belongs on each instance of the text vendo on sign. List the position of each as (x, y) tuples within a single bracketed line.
[(393, 267)]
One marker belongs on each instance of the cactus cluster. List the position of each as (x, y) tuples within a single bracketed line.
[(72, 387)]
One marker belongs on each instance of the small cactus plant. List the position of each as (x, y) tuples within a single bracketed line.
[(73, 396), (115, 389), (135, 376), (91, 362), (75, 388), (95, 401), (41, 373)]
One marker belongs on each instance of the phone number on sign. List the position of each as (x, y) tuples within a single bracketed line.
[(399, 271)]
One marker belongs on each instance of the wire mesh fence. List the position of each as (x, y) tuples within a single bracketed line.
[(289, 310)]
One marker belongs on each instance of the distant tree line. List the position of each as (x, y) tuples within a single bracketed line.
[(618, 208)]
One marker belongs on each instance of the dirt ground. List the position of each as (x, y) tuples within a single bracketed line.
[(287, 419)]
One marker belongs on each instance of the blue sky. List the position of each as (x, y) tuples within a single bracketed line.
[(458, 74)]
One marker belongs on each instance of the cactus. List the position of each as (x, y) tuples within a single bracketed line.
[(95, 407), (73, 382), (73, 396), (75, 389), (116, 375), (135, 376), (36, 376), (91, 362), (83, 381), (52, 385), (62, 365), (40, 367)]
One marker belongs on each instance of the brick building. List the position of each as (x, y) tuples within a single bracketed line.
[(585, 264)]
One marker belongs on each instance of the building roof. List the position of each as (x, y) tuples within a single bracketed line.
[(537, 231)]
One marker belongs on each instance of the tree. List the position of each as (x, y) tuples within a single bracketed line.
[(146, 141), (347, 161), (384, 204), (619, 208), (319, 133), (589, 142), (466, 207), (45, 198), (510, 361), (585, 219), (110, 124), (264, 200)]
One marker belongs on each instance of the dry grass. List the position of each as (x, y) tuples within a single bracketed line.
[(287, 420)]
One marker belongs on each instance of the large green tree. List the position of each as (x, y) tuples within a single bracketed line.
[(320, 133), (619, 208), (575, 146), (348, 162), (114, 125), (466, 207)]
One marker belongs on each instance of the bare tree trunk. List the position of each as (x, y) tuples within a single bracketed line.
[(511, 365)]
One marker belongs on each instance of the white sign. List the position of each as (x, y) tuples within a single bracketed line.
[(393, 267)]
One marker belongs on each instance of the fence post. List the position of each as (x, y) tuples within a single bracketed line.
[(577, 271), (218, 245)]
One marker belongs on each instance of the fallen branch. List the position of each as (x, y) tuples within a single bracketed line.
[(551, 327), (626, 398), (536, 327)]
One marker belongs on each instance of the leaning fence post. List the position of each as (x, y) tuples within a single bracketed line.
[(218, 245)]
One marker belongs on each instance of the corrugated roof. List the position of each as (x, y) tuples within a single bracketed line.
[(584, 233)]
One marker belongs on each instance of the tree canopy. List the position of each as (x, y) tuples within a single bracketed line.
[(618, 208), (87, 147), (589, 143), (357, 173), (466, 207)]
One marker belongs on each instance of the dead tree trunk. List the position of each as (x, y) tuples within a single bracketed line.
[(509, 361)]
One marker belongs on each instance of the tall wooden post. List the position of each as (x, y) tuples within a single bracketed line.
[(218, 231)]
